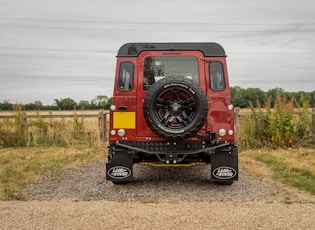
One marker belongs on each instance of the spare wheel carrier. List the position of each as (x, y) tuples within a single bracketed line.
[(175, 108)]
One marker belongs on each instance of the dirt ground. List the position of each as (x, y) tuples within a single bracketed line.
[(102, 214)]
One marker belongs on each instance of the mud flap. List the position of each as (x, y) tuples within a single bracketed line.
[(120, 168), (224, 165)]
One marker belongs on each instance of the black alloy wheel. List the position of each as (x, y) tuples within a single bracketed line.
[(175, 108)]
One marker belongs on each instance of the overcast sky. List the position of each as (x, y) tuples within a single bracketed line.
[(52, 49)]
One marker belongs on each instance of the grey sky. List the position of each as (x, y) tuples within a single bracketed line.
[(67, 48)]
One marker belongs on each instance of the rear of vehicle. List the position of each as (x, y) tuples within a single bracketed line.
[(172, 107)]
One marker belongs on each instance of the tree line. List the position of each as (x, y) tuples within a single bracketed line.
[(99, 102), (240, 98)]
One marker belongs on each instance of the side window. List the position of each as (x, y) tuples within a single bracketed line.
[(217, 79), (125, 81)]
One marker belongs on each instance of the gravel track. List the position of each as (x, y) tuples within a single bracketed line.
[(159, 198), (155, 183)]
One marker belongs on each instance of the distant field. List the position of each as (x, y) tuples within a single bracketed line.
[(53, 128), (53, 112), (91, 120)]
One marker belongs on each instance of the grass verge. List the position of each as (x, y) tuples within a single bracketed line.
[(295, 167), (20, 166)]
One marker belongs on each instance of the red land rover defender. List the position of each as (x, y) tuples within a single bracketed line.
[(172, 107)]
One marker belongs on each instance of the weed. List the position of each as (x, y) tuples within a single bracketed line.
[(123, 200), (13, 194), (142, 200), (82, 199), (284, 125), (148, 201), (78, 127), (288, 200)]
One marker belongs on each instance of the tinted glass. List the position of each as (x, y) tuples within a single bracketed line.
[(217, 80), (125, 81), (156, 68)]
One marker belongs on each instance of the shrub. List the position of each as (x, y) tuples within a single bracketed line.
[(284, 125)]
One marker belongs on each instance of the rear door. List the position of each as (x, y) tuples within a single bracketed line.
[(124, 99), (156, 65), (218, 95)]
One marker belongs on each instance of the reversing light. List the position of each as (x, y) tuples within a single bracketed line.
[(230, 107), (113, 132), (121, 132), (222, 132), (112, 107)]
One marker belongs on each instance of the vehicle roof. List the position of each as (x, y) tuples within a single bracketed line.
[(209, 49)]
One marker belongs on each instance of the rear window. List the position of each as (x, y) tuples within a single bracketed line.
[(158, 67), (125, 81), (217, 79)]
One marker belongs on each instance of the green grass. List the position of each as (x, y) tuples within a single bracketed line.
[(295, 167), (20, 166)]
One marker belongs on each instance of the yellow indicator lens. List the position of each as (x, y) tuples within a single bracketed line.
[(124, 120)]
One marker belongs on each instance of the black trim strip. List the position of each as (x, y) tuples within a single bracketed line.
[(209, 49)]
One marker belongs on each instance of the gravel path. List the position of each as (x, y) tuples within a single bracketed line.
[(66, 214), (157, 183), (159, 198)]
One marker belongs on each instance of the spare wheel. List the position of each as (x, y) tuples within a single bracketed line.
[(175, 108)]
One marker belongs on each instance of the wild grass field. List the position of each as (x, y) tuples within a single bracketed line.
[(283, 124), (61, 128)]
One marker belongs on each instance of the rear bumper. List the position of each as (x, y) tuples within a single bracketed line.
[(223, 158), (169, 153)]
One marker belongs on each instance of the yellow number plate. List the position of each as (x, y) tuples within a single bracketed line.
[(124, 120)]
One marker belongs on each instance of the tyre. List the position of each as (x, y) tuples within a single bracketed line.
[(175, 108)]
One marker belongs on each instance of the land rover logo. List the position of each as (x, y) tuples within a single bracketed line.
[(224, 172), (119, 172)]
